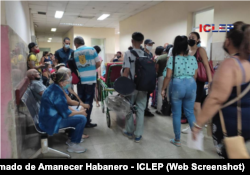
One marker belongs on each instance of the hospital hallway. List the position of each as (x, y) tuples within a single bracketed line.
[(187, 58)]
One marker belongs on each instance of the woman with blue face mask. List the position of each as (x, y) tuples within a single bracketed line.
[(55, 113)]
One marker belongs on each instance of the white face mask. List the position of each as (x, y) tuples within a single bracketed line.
[(149, 48)]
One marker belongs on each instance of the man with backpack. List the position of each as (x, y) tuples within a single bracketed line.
[(140, 69)]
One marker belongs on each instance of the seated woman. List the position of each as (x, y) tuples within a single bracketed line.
[(45, 58), (118, 57), (72, 98), (55, 114), (46, 74)]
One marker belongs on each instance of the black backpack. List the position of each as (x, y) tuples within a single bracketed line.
[(145, 73)]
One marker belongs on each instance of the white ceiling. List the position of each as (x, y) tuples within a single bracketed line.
[(90, 10)]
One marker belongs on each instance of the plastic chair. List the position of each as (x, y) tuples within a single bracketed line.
[(33, 107)]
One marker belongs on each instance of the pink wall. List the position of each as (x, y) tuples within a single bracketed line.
[(6, 96)]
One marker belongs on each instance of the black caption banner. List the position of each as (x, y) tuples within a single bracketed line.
[(163, 165)]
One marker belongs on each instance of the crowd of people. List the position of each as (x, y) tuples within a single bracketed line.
[(177, 79)]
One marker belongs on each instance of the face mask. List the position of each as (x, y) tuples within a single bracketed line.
[(37, 50), (149, 48), (36, 78), (50, 69), (66, 87), (191, 42), (199, 45), (225, 48), (66, 46)]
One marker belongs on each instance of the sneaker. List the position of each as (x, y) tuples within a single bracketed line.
[(138, 139), (130, 136), (186, 130), (157, 112), (69, 141), (148, 114), (75, 148)]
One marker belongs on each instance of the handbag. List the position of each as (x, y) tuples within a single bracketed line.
[(202, 74), (73, 97), (74, 71), (235, 146), (166, 105)]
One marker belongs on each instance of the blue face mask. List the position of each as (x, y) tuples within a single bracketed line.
[(199, 45), (66, 87), (66, 46)]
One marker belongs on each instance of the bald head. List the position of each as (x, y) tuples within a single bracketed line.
[(165, 45), (33, 74)]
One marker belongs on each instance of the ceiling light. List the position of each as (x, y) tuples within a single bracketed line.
[(71, 24), (50, 38), (53, 29), (104, 16), (59, 14), (118, 32), (49, 41)]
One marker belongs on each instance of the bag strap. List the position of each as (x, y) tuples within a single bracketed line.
[(129, 69), (239, 96), (134, 53), (198, 55)]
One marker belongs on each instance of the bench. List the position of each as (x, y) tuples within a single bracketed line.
[(33, 107)]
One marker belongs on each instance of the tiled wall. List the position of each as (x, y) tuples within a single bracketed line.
[(14, 125)]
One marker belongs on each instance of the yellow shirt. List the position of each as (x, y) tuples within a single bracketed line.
[(33, 58)]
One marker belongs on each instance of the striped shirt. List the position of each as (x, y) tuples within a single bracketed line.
[(86, 59)]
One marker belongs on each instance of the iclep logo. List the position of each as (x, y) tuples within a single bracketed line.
[(222, 27)]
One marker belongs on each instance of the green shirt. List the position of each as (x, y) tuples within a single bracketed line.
[(185, 66), (161, 61)]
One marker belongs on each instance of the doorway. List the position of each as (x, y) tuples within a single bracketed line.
[(101, 43), (204, 17)]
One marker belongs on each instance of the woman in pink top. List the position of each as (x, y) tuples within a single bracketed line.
[(98, 75)]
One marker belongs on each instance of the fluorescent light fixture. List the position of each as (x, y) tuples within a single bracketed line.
[(53, 29), (104, 16), (59, 14), (50, 38), (71, 24), (49, 41), (118, 32)]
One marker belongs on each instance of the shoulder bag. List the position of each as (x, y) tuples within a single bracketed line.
[(202, 74)]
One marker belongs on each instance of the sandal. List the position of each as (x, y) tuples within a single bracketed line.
[(85, 136), (176, 143)]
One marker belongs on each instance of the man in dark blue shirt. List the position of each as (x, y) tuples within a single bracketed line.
[(62, 55)]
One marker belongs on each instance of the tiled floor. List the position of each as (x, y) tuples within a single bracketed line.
[(107, 142)]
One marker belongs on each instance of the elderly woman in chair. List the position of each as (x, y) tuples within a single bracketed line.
[(55, 113)]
